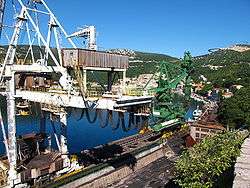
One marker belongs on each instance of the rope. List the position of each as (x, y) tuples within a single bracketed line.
[(79, 78)]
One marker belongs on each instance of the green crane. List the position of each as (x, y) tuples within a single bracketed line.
[(173, 92)]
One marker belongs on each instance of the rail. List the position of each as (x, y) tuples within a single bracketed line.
[(118, 160), (72, 177), (133, 91)]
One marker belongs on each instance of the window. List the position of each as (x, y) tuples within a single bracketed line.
[(197, 135)]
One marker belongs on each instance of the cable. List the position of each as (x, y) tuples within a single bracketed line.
[(129, 127), (115, 127), (137, 120), (81, 115), (76, 112), (56, 137), (132, 118), (14, 7), (69, 111), (79, 78), (88, 117), (102, 125)]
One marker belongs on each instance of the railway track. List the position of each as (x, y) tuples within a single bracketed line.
[(151, 140), (136, 142), (116, 149)]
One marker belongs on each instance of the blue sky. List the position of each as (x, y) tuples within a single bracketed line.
[(163, 26)]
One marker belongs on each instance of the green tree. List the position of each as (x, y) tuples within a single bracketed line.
[(235, 111), (205, 89), (202, 165)]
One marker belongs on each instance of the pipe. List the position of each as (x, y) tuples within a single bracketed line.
[(56, 137), (12, 144)]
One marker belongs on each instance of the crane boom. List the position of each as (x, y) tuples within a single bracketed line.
[(88, 33), (169, 108), (2, 8)]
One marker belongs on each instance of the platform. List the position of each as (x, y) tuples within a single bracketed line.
[(64, 100)]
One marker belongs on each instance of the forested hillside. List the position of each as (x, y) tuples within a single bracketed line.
[(224, 68), (146, 63)]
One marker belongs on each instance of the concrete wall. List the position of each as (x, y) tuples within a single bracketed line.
[(242, 167)]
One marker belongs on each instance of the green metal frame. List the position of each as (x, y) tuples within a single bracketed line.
[(170, 105)]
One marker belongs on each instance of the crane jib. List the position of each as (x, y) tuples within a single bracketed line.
[(2, 8)]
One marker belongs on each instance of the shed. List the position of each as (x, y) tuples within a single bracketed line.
[(96, 59)]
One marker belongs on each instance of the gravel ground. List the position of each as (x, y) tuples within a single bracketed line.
[(156, 174)]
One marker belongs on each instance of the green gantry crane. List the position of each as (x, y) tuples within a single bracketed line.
[(173, 93)]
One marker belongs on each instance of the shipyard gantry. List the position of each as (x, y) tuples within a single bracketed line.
[(55, 77)]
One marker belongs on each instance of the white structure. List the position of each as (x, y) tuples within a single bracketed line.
[(2, 7), (88, 33), (27, 22)]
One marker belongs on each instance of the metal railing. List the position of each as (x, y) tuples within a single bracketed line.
[(97, 92), (133, 91)]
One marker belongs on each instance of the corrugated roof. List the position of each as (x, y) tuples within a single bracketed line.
[(43, 161), (210, 125)]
